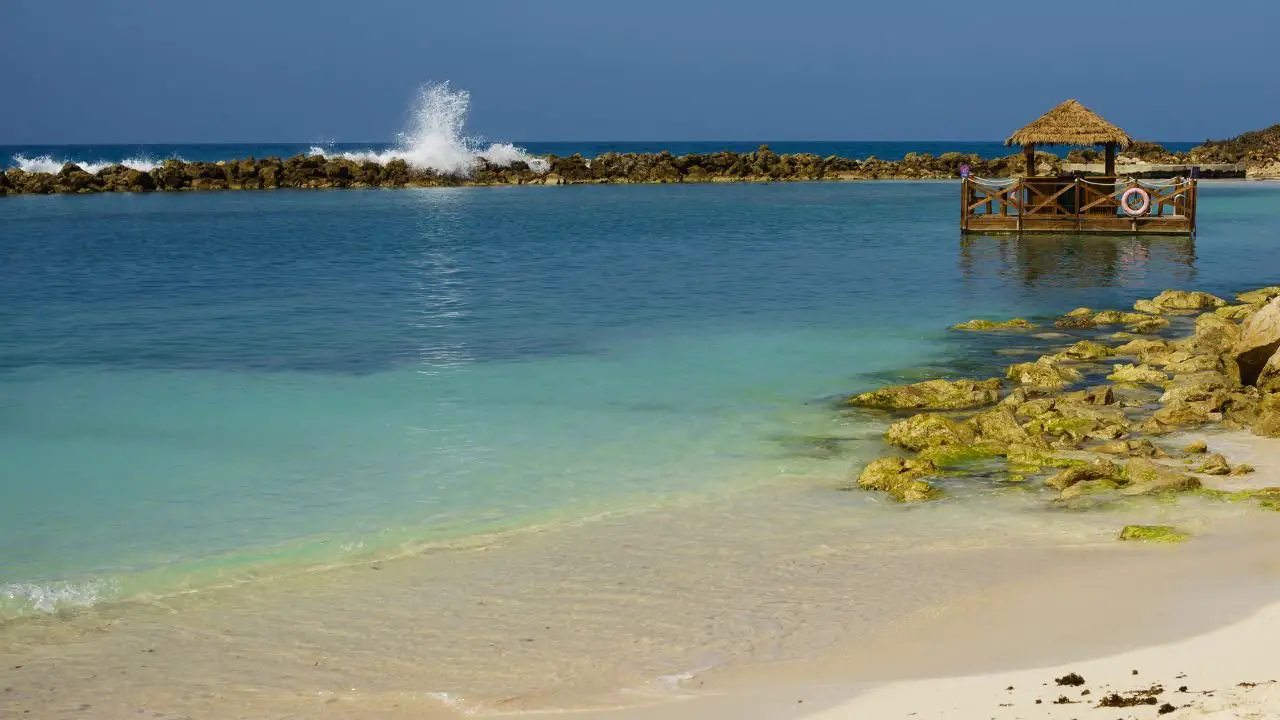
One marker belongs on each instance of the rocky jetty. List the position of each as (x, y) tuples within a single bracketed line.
[(1084, 421), (309, 172)]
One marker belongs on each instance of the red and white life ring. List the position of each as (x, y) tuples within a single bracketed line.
[(1141, 209)]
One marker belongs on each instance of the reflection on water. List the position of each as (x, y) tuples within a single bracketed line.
[(1067, 260)]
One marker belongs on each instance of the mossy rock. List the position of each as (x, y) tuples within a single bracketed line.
[(1043, 373), (932, 395), (1129, 373), (1153, 534), (1259, 296), (1089, 487), (1121, 317), (1014, 324), (1147, 306), (928, 430), (1149, 326), (1096, 470), (1085, 350), (1185, 300), (1034, 458), (948, 456), (1214, 464), (901, 478), (1236, 312), (1197, 447)]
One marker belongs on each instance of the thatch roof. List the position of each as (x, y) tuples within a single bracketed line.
[(1070, 124)]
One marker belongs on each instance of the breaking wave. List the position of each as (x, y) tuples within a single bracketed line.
[(22, 598), (47, 164), (437, 141)]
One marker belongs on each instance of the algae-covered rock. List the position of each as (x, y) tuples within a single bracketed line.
[(1153, 534), (1096, 395), (1080, 312), (1043, 373), (1032, 458), (1143, 348), (1088, 487), (1000, 425), (1147, 306), (1236, 312), (1146, 477), (1259, 296), (1184, 300), (1139, 447), (1137, 374), (949, 456), (1214, 335), (1214, 464), (1078, 421), (1242, 469), (1014, 324), (1096, 470), (1073, 322), (928, 430), (932, 394), (1121, 317), (1196, 448), (901, 478), (1084, 350), (1149, 326)]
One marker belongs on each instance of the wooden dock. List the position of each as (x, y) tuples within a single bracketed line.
[(1078, 205)]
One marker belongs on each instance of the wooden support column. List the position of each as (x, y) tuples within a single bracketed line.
[(1111, 160), (1029, 152)]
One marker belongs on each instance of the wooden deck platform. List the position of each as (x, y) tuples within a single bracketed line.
[(1075, 205)]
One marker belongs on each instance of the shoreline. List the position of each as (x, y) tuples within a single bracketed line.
[(321, 172), (1207, 611), (736, 604)]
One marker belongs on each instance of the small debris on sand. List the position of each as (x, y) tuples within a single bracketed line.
[(1070, 680)]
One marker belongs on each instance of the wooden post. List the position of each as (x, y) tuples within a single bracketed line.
[(964, 204), (1076, 207), (1029, 152), (1110, 170)]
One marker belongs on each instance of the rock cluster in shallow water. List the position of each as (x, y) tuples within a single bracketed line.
[(1094, 445)]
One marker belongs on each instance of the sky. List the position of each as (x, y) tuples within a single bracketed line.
[(168, 71)]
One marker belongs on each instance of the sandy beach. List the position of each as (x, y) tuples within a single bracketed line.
[(1135, 622)]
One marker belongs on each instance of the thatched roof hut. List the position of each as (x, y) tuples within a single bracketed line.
[(1070, 124)]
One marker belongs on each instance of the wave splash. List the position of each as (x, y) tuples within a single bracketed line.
[(52, 597), (47, 164), (436, 140)]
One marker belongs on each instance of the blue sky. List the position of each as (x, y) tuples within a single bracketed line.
[(92, 71)]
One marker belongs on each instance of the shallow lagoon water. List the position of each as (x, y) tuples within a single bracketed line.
[(203, 385)]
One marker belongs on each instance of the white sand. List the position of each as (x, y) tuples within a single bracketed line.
[(1212, 667)]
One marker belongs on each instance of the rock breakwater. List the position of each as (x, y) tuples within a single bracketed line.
[(315, 171)]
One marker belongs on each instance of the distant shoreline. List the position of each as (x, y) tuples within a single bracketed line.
[(320, 172)]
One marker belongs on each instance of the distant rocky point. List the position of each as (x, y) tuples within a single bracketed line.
[(1258, 151)]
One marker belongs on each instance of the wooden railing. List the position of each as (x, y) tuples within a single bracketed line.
[(1087, 203)]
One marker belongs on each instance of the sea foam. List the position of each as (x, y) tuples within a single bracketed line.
[(54, 596), (47, 164), (437, 140)]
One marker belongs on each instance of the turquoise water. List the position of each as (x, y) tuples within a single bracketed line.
[(204, 386)]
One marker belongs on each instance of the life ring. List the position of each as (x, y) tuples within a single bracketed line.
[(1141, 209)]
